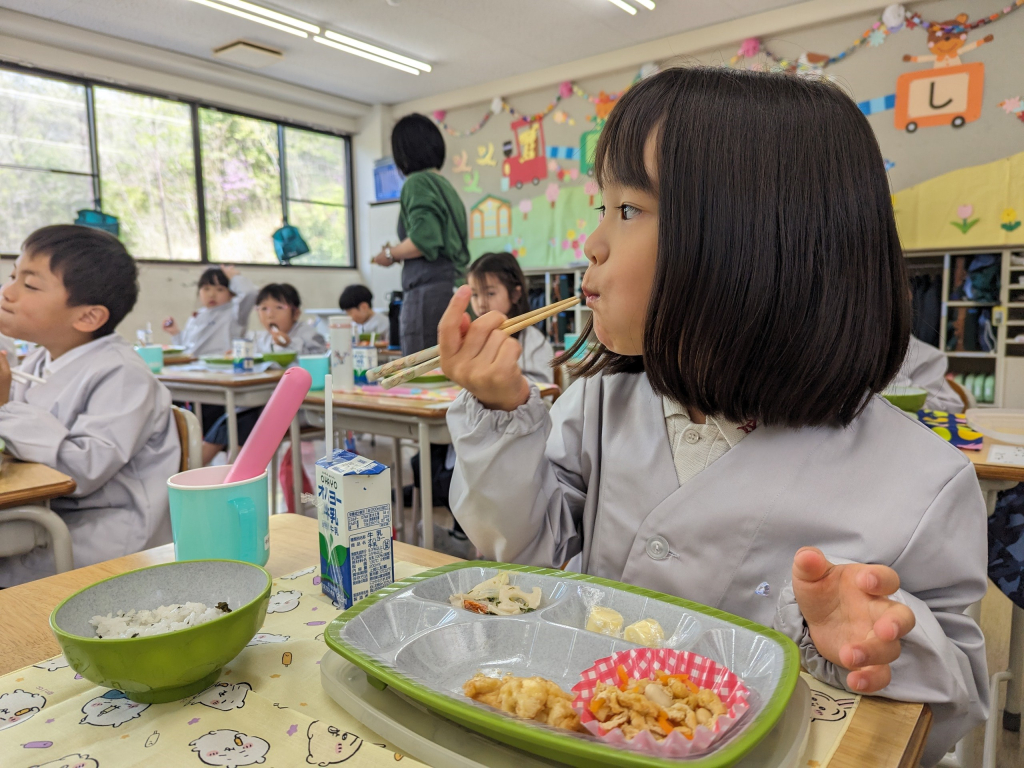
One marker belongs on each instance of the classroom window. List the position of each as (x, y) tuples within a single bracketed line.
[(242, 183), (147, 168), (67, 144), (45, 162), (316, 170)]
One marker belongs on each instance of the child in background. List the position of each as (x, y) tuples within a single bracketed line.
[(100, 417), (749, 300), (226, 299), (925, 367), (279, 308), (498, 285), (357, 302)]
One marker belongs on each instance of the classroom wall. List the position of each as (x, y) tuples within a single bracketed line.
[(869, 73)]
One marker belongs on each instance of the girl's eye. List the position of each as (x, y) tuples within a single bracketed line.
[(600, 212), (628, 211)]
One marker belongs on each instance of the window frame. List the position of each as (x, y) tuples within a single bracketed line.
[(194, 106)]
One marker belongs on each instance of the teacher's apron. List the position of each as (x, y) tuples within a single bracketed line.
[(427, 287)]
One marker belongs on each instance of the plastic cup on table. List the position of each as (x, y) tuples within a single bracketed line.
[(318, 366), (153, 354)]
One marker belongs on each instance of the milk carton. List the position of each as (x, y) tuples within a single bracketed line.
[(353, 500)]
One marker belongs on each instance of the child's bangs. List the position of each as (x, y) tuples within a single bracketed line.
[(619, 158)]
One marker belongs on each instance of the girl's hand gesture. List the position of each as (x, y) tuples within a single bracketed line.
[(230, 271), (852, 621), (481, 357), (171, 326)]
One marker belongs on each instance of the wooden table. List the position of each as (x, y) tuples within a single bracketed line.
[(397, 418), (181, 359), (25, 492), (882, 734), (232, 390)]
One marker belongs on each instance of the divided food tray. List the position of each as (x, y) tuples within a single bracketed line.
[(408, 636)]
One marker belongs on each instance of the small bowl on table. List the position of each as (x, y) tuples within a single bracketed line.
[(284, 359), (158, 668), (910, 399)]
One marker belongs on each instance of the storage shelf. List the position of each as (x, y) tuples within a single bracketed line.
[(974, 303), (974, 354)]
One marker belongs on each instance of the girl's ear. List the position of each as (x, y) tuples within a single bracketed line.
[(296, 313), (91, 318)]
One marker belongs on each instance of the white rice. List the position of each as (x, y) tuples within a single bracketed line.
[(166, 618)]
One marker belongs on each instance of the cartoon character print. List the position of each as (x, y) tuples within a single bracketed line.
[(113, 708), (18, 706), (262, 638), (71, 761), (303, 572), (827, 709), (223, 696), (282, 602), (947, 41), (52, 665), (230, 748), (329, 745)]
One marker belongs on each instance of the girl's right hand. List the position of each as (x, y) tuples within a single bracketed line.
[(480, 357), (171, 326)]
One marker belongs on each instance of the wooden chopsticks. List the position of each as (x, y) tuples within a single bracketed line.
[(409, 367)]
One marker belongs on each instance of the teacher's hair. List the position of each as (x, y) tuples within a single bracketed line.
[(417, 144), (780, 291)]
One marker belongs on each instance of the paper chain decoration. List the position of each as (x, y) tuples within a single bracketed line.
[(892, 20), (566, 90)]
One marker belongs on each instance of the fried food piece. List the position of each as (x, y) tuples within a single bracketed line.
[(528, 698), (670, 703)]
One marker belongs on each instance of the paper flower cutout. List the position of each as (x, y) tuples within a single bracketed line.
[(1009, 220), (591, 189), (565, 89), (749, 47), (893, 16), (440, 115), (497, 105), (876, 38), (965, 223), (1012, 106)]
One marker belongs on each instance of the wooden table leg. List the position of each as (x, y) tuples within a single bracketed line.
[(229, 398), (426, 487)]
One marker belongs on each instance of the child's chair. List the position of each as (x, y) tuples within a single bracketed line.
[(22, 529), (190, 433)]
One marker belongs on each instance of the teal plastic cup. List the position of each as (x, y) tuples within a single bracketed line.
[(153, 354), (318, 366), (211, 520)]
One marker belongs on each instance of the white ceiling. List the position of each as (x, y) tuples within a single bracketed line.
[(468, 42)]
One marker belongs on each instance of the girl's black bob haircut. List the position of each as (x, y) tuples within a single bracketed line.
[(506, 270), (417, 144), (215, 276), (283, 292), (780, 290)]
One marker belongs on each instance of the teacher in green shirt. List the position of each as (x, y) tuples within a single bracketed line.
[(432, 232)]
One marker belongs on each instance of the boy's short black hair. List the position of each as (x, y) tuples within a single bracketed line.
[(284, 292), (215, 276), (354, 295), (94, 266), (780, 289), (417, 144)]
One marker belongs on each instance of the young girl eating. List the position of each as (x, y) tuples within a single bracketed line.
[(498, 285), (726, 442), (226, 299)]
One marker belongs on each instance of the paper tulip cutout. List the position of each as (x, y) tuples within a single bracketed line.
[(966, 222)]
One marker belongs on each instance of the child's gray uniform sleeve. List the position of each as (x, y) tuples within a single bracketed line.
[(525, 467), (535, 361), (244, 302), (942, 661)]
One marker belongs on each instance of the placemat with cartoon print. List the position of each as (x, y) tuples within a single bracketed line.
[(268, 708)]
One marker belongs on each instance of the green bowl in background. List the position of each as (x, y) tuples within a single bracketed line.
[(281, 358), (161, 668), (910, 399), (222, 361)]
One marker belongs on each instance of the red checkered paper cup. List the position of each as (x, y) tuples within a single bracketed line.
[(641, 664)]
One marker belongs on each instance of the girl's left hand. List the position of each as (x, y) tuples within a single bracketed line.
[(382, 259), (852, 621)]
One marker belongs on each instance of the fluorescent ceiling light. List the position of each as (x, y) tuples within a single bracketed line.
[(648, 4), (378, 51), (253, 8), (624, 6), (251, 17), (365, 55)]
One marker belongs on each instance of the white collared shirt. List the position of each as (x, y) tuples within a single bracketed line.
[(697, 446), (50, 366)]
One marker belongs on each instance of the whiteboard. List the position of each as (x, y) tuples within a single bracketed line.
[(382, 226)]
